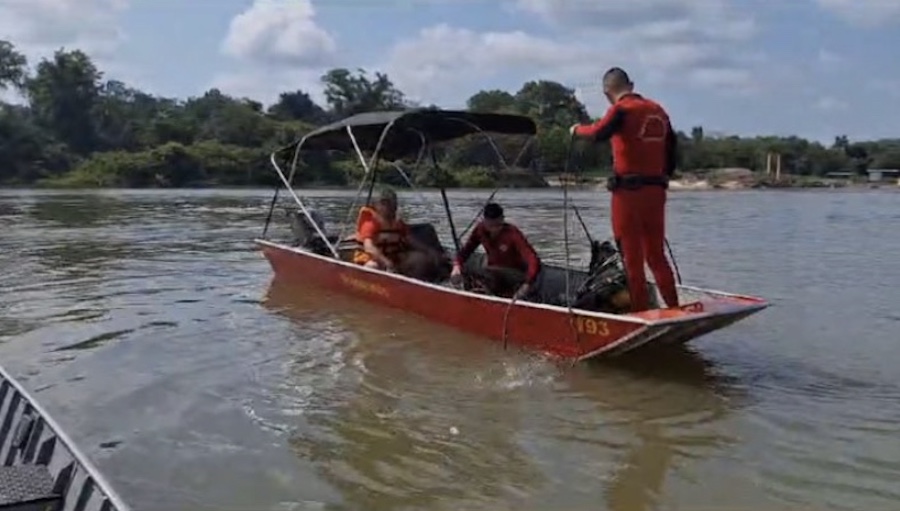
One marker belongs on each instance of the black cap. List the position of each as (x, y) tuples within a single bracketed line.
[(493, 211)]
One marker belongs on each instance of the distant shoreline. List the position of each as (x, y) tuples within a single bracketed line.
[(675, 187), (721, 179), (744, 179)]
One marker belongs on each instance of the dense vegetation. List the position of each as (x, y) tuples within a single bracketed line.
[(78, 129)]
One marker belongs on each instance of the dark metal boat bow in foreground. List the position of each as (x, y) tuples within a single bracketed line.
[(41, 468)]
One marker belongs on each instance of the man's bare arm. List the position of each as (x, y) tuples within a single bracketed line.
[(372, 249)]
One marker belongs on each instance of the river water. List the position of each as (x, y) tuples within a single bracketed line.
[(146, 323)]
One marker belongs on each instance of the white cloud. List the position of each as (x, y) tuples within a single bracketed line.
[(734, 80), (664, 35), (865, 13), (829, 58), (441, 59), (267, 88), (279, 32), (884, 86), (662, 19), (830, 104), (659, 41), (280, 47), (39, 27), (593, 13)]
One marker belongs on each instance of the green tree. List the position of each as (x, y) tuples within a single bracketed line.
[(27, 152), (551, 103), (297, 106), (216, 116), (12, 66), (697, 134), (348, 94), (63, 93), (492, 101), (889, 159), (79, 129)]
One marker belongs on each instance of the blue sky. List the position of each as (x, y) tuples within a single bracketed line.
[(816, 68)]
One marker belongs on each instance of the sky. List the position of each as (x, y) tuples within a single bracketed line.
[(812, 68)]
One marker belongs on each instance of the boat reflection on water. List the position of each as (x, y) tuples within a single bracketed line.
[(676, 405), (422, 417), (426, 417)]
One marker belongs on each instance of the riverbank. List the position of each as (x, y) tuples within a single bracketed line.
[(740, 179), (674, 186), (474, 179)]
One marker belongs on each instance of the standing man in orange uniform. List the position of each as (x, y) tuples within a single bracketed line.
[(643, 147)]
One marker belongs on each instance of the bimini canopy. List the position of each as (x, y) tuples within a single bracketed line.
[(407, 128)]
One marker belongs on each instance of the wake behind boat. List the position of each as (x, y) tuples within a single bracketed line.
[(41, 467), (576, 316)]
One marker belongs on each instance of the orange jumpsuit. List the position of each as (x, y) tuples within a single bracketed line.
[(389, 237), (643, 146)]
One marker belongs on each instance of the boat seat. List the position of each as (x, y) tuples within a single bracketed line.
[(28, 488), (424, 232), (427, 234), (550, 287), (347, 247), (305, 234)]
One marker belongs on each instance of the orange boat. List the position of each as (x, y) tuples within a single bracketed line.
[(577, 316)]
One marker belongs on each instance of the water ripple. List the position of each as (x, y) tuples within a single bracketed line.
[(146, 322)]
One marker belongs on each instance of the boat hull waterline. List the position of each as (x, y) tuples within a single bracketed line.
[(555, 331)]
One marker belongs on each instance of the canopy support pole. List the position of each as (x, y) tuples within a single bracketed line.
[(505, 166), (446, 201), (369, 168), (299, 202), (271, 210)]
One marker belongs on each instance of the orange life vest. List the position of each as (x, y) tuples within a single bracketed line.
[(389, 239)]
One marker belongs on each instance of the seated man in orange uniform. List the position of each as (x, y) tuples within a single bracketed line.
[(386, 242), (512, 264)]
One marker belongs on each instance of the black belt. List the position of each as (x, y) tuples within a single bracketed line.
[(635, 182)]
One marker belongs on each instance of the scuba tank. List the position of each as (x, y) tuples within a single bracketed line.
[(606, 287)]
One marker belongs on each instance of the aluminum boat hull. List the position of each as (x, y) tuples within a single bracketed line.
[(556, 331)]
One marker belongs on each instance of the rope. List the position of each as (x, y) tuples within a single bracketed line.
[(566, 219), (566, 243), (478, 214), (566, 239), (512, 302), (674, 263), (584, 227), (506, 321)]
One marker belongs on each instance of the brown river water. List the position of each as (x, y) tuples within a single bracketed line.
[(146, 322)]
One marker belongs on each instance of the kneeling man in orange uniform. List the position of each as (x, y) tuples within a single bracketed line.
[(513, 266), (386, 243)]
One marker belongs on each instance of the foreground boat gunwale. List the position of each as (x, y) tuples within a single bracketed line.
[(77, 455), (758, 304)]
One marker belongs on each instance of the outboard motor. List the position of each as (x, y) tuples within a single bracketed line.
[(606, 288), (304, 232)]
